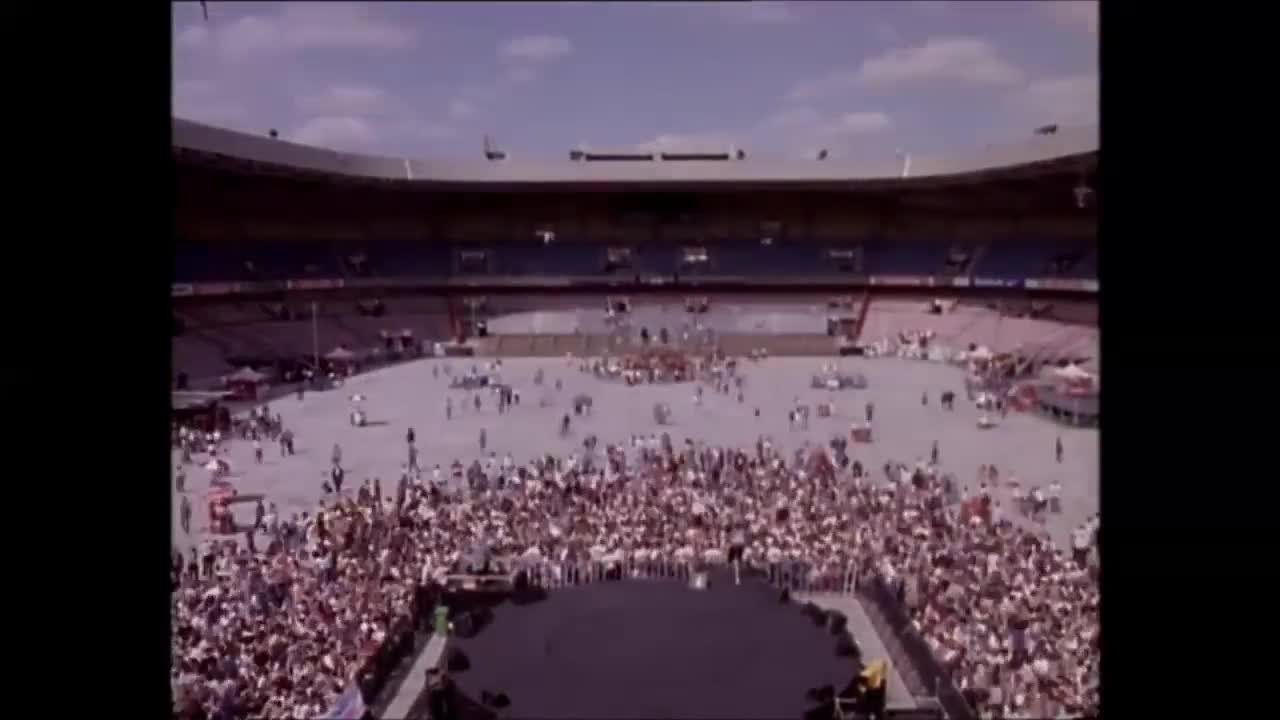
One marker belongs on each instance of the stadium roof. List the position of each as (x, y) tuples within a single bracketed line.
[(1068, 146)]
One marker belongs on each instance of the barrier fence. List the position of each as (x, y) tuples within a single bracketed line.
[(792, 577), (875, 590)]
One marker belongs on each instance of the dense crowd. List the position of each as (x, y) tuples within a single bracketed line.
[(279, 630)]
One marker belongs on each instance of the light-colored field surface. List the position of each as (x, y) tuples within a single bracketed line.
[(772, 318), (408, 396)]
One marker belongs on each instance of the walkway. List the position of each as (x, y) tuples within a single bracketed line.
[(415, 682), (868, 641)]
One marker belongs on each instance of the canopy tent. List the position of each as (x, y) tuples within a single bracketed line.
[(241, 498), (1073, 372), (196, 400), (981, 353), (201, 410), (340, 354), (247, 375), (245, 383), (220, 494)]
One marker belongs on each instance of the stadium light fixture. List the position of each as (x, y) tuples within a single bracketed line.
[(1082, 192), (491, 153)]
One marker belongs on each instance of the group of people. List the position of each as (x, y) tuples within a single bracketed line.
[(282, 628), (649, 366), (280, 633)]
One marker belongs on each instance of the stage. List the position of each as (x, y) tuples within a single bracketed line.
[(653, 649)]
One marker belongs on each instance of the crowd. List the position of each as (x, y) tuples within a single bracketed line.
[(280, 633)]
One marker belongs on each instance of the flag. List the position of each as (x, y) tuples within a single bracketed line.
[(204, 8)]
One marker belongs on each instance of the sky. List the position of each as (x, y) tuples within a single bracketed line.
[(776, 79)]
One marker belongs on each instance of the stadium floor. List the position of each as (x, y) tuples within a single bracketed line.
[(654, 649), (402, 396)]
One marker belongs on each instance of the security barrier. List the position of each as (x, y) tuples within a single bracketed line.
[(794, 577)]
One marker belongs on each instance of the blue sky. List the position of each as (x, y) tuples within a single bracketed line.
[(774, 78)]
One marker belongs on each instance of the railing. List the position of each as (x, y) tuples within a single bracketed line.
[(797, 578), (400, 643), (918, 654), (792, 577), (402, 638)]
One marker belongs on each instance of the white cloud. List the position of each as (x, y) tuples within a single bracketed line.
[(858, 123), (367, 119), (1070, 100), (472, 97), (310, 26), (963, 59), (536, 48), (1075, 13), (346, 100), (797, 131), (336, 133), (955, 59), (200, 101), (428, 132), (808, 121), (687, 143)]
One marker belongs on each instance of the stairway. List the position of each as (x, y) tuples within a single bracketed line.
[(893, 647), (455, 324), (872, 642), (862, 316)]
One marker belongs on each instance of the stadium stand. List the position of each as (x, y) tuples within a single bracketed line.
[(414, 255)]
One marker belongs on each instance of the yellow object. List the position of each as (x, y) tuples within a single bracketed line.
[(875, 673)]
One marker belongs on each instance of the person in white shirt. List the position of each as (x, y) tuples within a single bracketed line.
[(1080, 546), (1037, 502), (1055, 497)]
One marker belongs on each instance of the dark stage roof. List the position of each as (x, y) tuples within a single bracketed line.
[(654, 649)]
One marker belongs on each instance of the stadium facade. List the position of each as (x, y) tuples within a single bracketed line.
[(267, 231), (262, 215)]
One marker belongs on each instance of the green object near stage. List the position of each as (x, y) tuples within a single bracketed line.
[(442, 621)]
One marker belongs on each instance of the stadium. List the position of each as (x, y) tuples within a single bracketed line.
[(501, 311)]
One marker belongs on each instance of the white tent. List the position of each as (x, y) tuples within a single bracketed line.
[(340, 354), (247, 375), (1073, 372), (982, 353)]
